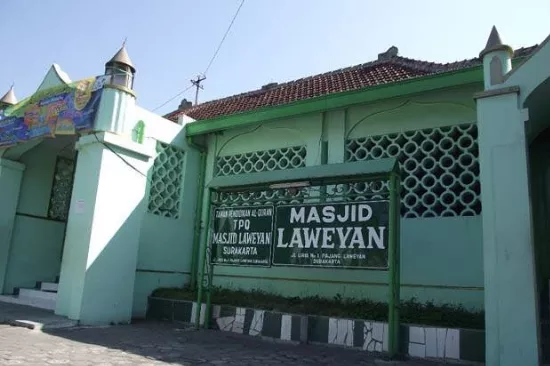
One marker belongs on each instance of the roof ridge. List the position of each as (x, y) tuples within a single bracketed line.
[(446, 65), (430, 66)]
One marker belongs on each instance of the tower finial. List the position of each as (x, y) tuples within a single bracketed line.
[(494, 38), (494, 43), (120, 68), (497, 60), (9, 98), (122, 58)]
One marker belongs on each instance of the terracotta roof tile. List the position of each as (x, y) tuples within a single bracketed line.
[(387, 69)]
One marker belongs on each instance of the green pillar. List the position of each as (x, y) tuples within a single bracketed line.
[(101, 246), (11, 173), (511, 320)]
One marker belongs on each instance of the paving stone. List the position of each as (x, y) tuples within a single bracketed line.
[(32, 318), (155, 344)]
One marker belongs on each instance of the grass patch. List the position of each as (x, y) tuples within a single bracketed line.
[(412, 311)]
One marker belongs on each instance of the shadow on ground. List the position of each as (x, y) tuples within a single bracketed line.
[(181, 344), (156, 343)]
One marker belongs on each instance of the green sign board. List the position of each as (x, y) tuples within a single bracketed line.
[(344, 235), (242, 235)]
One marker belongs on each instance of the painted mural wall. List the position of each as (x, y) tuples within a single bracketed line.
[(434, 136), (164, 257)]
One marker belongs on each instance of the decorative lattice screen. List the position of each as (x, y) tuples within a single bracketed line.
[(275, 197), (440, 169), (62, 189), (166, 182), (261, 161)]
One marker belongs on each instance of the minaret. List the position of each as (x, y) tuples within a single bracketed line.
[(497, 60), (8, 99), (111, 177), (118, 100), (121, 68)]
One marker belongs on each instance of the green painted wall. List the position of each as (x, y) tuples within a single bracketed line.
[(35, 251), (11, 174), (54, 77), (441, 257), (146, 282), (440, 266), (37, 180), (102, 239), (164, 256), (508, 257)]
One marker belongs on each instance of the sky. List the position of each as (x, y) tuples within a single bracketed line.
[(172, 41)]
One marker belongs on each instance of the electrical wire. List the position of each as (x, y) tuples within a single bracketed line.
[(174, 97), (120, 156), (211, 60), (223, 38)]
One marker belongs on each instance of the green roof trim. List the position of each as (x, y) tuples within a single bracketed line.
[(315, 175)]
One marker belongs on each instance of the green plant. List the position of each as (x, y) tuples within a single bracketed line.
[(412, 311)]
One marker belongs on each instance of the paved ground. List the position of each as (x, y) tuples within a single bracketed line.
[(32, 317), (165, 344)]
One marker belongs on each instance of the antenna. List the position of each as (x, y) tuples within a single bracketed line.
[(197, 84)]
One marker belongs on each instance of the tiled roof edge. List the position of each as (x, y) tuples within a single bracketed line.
[(421, 65)]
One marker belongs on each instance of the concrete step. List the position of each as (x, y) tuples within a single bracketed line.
[(41, 303), (37, 298), (31, 293), (48, 286)]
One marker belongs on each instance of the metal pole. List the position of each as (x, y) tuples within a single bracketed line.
[(197, 84), (393, 301), (198, 221), (397, 272), (209, 293), (197, 92), (204, 258)]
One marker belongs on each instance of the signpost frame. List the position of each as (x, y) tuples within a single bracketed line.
[(322, 175)]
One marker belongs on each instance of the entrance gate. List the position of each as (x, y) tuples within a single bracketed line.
[(337, 216)]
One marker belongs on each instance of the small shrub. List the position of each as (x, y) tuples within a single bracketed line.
[(411, 311)]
